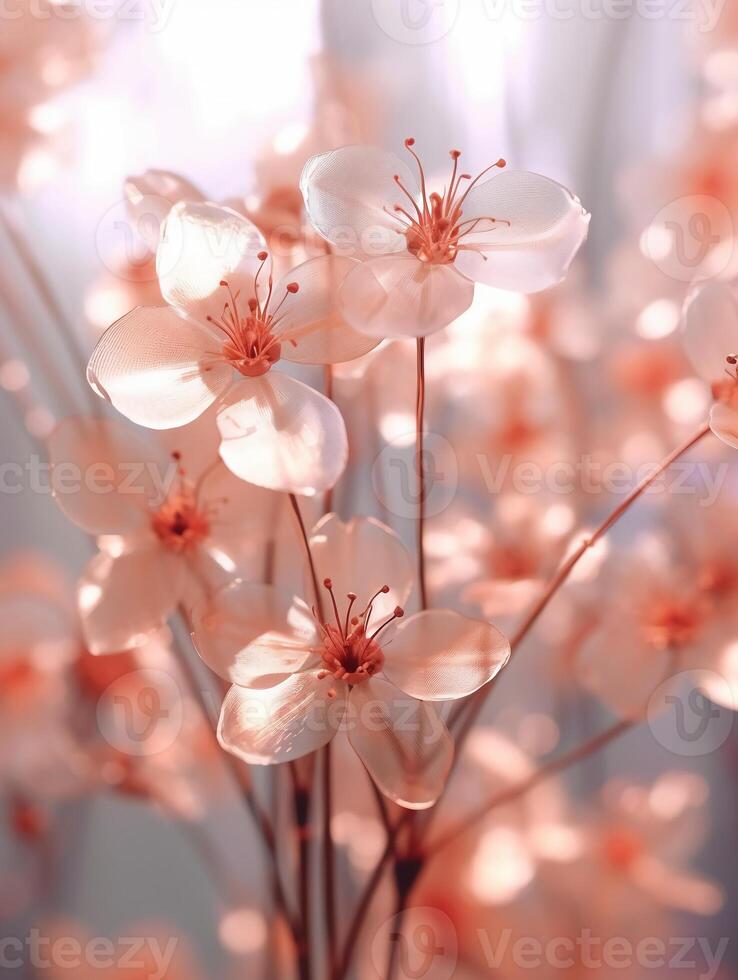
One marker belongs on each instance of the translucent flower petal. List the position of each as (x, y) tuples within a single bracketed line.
[(400, 296), (440, 655), (201, 246), (123, 600), (403, 743), (150, 196), (547, 226), (251, 634), (278, 433), (361, 556), (312, 329), (350, 194), (724, 423), (710, 329), (156, 368), (284, 722), (105, 477)]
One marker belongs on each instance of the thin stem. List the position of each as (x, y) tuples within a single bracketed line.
[(395, 937), (329, 883), (301, 803), (241, 776), (328, 386), (308, 555), (565, 761), (420, 466), (362, 908), (513, 793), (474, 704)]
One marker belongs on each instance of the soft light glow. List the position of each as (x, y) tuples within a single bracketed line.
[(658, 319), (243, 931)]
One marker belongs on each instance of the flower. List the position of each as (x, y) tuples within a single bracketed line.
[(298, 675), (670, 617), (170, 531), (39, 756), (163, 366), (710, 333), (517, 231), (41, 53)]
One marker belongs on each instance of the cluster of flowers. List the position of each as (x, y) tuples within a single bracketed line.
[(358, 265)]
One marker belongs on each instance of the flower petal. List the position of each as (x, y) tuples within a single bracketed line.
[(547, 227), (440, 655), (710, 328), (403, 743), (150, 196), (622, 672), (153, 366), (105, 477), (123, 600), (361, 556), (311, 326), (278, 433), (37, 630), (350, 194), (250, 633), (201, 246), (724, 423), (400, 296), (284, 722)]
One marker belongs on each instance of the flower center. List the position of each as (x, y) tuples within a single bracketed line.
[(621, 848), (251, 345), (435, 232), (351, 652), (181, 523), (672, 624)]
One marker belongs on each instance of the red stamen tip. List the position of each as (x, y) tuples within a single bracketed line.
[(176, 454), (352, 596), (262, 256), (410, 141), (455, 154), (501, 163), (385, 589), (292, 287), (399, 612), (732, 360), (327, 583), (223, 282)]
